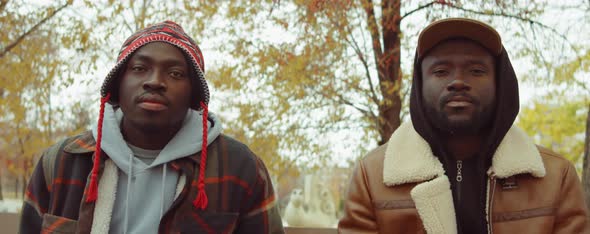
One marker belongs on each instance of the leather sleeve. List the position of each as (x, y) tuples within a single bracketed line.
[(572, 212), (359, 215)]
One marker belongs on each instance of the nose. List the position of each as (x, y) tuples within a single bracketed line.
[(155, 82), (458, 84)]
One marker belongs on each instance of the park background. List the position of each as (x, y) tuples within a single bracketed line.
[(309, 85)]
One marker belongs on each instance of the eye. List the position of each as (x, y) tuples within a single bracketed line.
[(137, 68), (439, 72), (478, 72), (177, 74)]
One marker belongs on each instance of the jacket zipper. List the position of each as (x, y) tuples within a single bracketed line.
[(491, 188), (459, 178)]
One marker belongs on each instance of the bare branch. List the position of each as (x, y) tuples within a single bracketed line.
[(355, 46), (540, 54), (3, 4), (374, 31), (342, 100), (417, 9), (361, 57), (143, 11), (520, 18), (31, 30), (131, 30), (365, 112)]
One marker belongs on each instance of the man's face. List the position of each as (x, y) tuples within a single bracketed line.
[(155, 88), (459, 86)]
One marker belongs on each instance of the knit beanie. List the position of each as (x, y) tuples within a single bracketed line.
[(172, 33)]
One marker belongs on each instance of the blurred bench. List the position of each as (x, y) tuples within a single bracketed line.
[(300, 230), (9, 224)]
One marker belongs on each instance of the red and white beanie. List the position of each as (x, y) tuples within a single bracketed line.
[(169, 32), (172, 33)]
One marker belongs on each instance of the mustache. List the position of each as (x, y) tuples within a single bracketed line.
[(443, 101)]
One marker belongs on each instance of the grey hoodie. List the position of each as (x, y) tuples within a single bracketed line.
[(142, 199)]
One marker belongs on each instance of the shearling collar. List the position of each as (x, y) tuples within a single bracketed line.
[(409, 159)]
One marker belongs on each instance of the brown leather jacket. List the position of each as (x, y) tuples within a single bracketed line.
[(401, 188)]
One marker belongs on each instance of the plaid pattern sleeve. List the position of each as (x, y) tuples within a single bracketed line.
[(52, 197), (36, 201), (261, 213)]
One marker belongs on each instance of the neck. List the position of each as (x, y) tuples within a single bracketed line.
[(462, 147), (147, 138)]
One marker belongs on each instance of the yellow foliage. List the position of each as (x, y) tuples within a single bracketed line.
[(557, 123), (32, 71)]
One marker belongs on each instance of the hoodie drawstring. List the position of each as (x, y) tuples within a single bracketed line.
[(129, 175), (93, 188), (163, 188), (201, 200)]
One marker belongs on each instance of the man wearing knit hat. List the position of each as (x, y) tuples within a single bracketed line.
[(163, 167), (460, 165)]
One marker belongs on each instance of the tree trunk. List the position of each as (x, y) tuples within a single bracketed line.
[(586, 168), (389, 70), (386, 50)]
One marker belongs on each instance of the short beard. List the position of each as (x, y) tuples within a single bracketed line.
[(480, 121)]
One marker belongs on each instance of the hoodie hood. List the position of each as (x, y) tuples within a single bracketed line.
[(506, 109), (186, 142)]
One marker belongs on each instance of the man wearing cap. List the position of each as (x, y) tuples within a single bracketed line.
[(460, 165), (163, 167)]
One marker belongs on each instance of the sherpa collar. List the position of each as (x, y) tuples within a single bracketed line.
[(409, 159)]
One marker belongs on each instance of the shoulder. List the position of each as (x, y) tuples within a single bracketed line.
[(237, 150), (60, 151), (81, 143), (236, 155), (375, 157), (371, 165), (550, 154), (555, 163), (72, 144)]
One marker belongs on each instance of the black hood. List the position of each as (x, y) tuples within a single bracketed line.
[(505, 111), (507, 107)]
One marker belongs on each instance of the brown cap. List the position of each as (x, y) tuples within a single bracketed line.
[(441, 30)]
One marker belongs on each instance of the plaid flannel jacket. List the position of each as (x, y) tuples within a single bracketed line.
[(240, 192)]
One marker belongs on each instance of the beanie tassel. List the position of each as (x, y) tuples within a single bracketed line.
[(93, 188), (201, 200)]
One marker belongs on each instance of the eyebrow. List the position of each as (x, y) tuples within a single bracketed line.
[(447, 62), (167, 62), (438, 63)]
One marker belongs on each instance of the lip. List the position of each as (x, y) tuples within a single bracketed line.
[(152, 102), (458, 104), (459, 98), (459, 101)]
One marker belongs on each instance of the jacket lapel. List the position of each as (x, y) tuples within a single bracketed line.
[(107, 187), (434, 203), (408, 159)]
